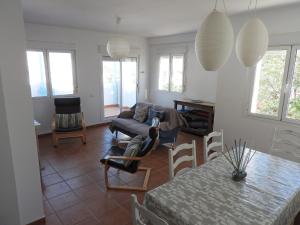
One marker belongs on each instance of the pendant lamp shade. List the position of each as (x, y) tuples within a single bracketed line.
[(252, 42), (118, 48), (214, 41)]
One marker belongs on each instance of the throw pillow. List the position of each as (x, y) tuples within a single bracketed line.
[(132, 149), (154, 113), (64, 121), (140, 113)]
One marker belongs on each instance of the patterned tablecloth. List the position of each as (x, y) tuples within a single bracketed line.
[(207, 195)]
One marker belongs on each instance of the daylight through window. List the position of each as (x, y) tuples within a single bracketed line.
[(171, 68), (276, 86), (55, 79)]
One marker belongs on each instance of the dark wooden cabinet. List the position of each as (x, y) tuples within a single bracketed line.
[(198, 116)]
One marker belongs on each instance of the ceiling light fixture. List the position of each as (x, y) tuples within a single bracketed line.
[(252, 41), (214, 40), (118, 47)]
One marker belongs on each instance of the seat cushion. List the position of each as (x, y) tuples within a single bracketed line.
[(68, 121), (119, 163), (132, 126), (133, 148), (67, 105)]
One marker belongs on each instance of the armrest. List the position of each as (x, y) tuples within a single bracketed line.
[(126, 114), (82, 121), (155, 122)]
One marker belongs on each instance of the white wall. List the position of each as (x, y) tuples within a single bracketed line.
[(88, 57), (20, 189), (200, 84), (233, 85)]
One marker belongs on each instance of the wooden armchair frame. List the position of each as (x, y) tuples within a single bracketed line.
[(68, 134), (140, 168)]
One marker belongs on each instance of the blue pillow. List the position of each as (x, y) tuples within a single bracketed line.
[(154, 113)]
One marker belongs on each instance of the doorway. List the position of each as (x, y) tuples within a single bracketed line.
[(119, 85)]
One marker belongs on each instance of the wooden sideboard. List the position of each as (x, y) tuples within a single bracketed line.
[(199, 116)]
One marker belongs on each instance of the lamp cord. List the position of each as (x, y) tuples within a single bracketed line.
[(216, 4), (224, 5), (255, 5), (225, 8)]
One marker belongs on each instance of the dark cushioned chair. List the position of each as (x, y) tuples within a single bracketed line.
[(68, 106), (115, 159)]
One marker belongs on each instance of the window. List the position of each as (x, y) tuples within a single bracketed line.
[(37, 74), (171, 73), (293, 111), (51, 73), (61, 73), (276, 86)]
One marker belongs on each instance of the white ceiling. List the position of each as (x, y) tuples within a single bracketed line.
[(140, 17)]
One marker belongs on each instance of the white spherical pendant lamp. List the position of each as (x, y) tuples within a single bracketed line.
[(118, 48), (252, 42), (214, 41)]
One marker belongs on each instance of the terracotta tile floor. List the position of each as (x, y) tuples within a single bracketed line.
[(74, 191), (73, 179)]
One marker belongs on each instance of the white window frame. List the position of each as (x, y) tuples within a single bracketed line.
[(45, 52), (171, 55), (285, 88), (108, 58), (288, 86)]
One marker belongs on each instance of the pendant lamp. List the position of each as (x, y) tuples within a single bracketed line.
[(252, 42), (214, 41), (118, 47)]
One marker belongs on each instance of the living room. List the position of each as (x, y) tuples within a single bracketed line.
[(58, 180)]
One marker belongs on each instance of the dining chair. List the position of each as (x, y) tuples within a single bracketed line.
[(173, 164), (211, 145), (286, 144), (142, 216)]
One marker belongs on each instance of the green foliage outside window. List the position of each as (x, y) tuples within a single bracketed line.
[(270, 83), (294, 104)]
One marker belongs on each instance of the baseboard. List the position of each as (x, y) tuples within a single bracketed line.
[(89, 126), (98, 124), (40, 221)]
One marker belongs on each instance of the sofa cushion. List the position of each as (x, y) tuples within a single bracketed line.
[(141, 112), (132, 126), (154, 113), (132, 149)]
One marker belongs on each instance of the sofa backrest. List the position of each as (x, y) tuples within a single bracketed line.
[(166, 110)]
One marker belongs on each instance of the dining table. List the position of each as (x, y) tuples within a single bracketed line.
[(207, 195)]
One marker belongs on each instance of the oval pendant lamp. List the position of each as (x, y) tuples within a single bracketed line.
[(117, 47), (252, 41), (214, 41)]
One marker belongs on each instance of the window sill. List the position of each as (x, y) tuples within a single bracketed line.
[(265, 118), (171, 92)]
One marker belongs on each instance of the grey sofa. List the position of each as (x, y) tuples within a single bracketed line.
[(169, 126)]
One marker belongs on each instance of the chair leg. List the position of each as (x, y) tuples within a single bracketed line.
[(55, 140), (106, 168), (83, 139), (130, 188)]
